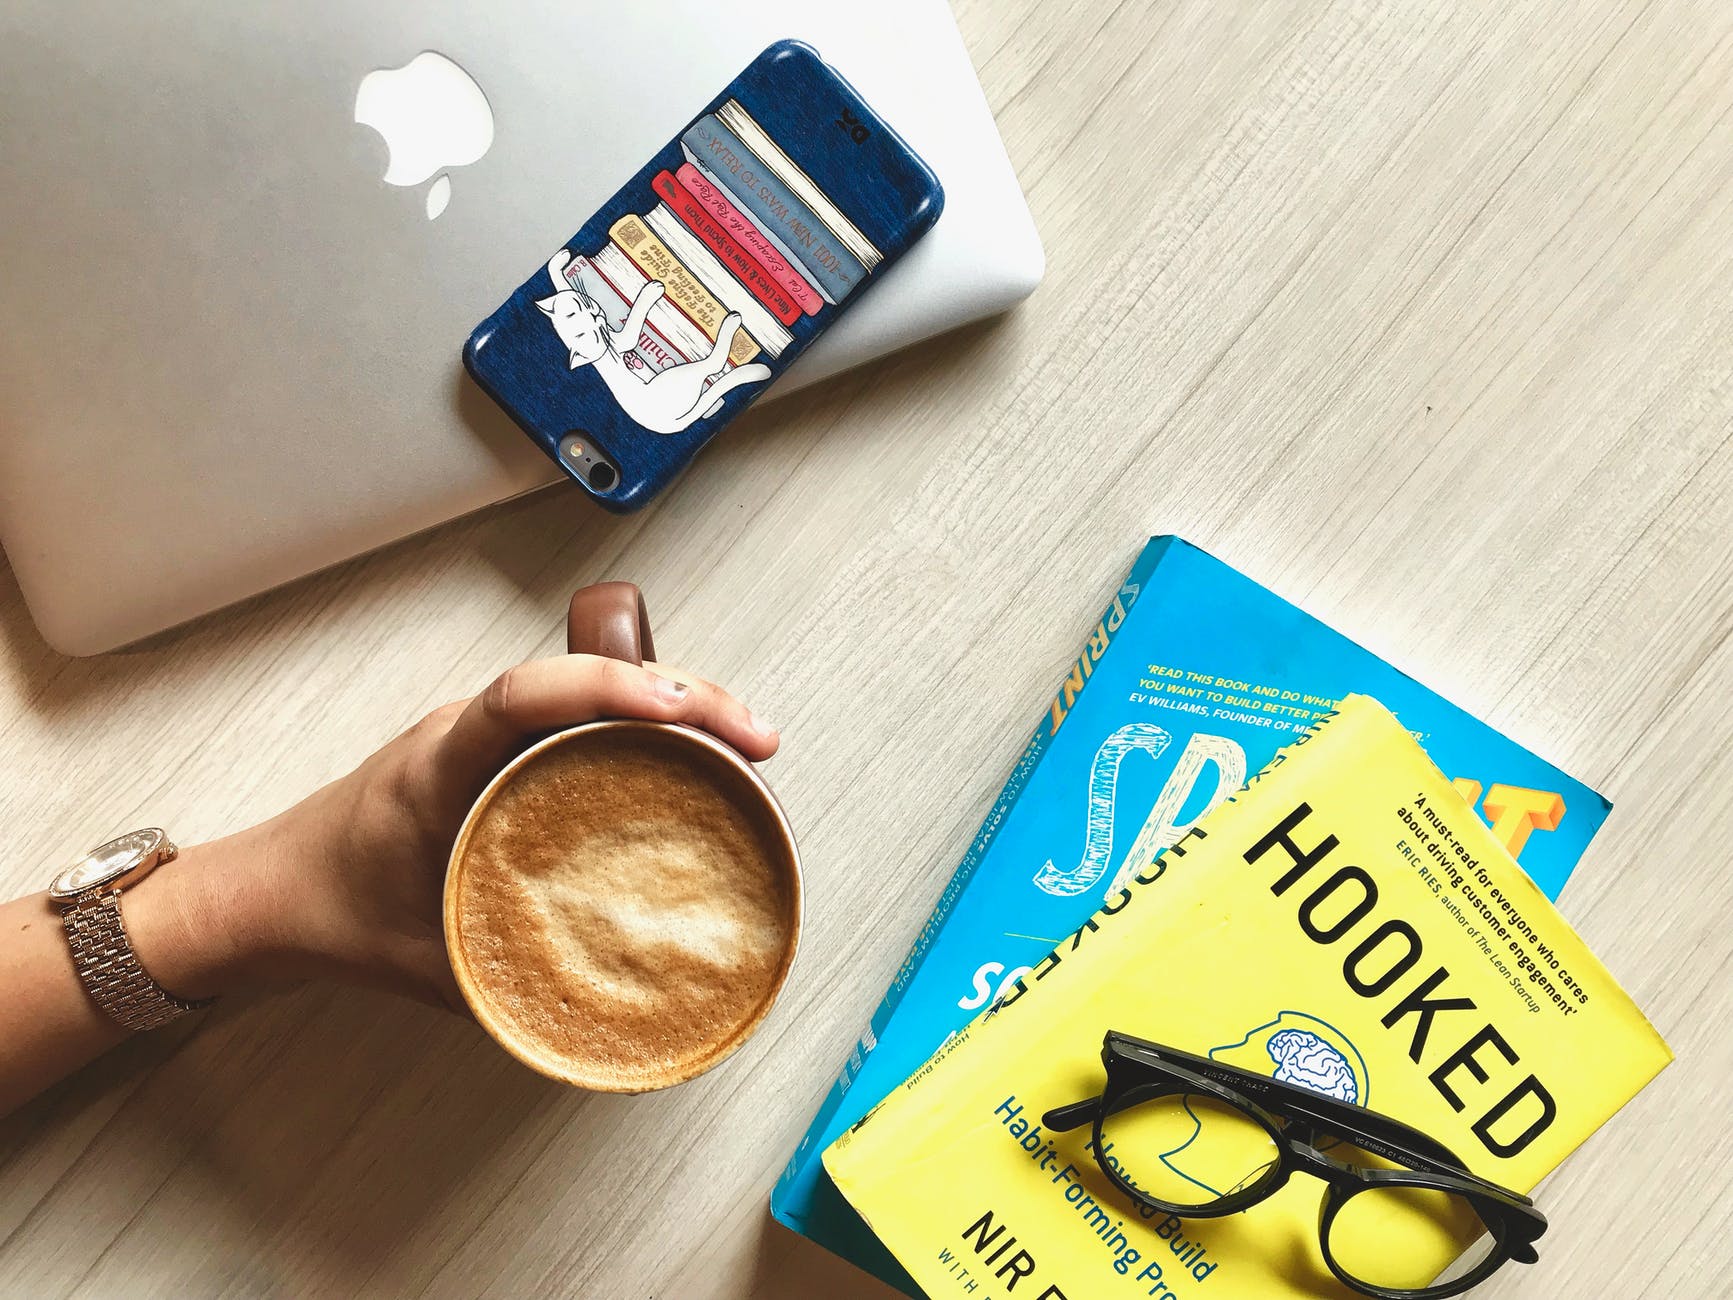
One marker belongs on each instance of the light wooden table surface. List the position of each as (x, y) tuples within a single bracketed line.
[(1420, 313)]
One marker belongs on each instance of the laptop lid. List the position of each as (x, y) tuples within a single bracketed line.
[(229, 350)]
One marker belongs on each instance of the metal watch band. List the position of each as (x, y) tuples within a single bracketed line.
[(110, 969)]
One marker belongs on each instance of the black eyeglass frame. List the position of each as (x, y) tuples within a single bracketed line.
[(1139, 1071)]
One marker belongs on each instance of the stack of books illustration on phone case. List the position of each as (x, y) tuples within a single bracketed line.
[(741, 245), (704, 276)]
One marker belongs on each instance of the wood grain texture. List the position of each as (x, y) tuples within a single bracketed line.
[(1419, 312)]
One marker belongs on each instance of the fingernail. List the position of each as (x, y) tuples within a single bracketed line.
[(670, 690), (759, 725)]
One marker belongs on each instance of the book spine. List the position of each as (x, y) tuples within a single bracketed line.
[(751, 239), (657, 351), (583, 276), (762, 146), (698, 165), (1113, 615), (658, 346), (680, 336), (651, 256), (652, 350), (774, 206), (689, 251), (742, 264)]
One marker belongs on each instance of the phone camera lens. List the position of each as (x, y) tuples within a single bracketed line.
[(603, 476)]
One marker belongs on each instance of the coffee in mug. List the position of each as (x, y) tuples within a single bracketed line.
[(623, 902)]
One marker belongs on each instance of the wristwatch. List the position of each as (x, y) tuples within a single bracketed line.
[(88, 895)]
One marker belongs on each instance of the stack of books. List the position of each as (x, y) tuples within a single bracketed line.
[(740, 229), (1345, 925), (1190, 683)]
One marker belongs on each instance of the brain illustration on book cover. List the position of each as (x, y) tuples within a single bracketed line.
[(1294, 1047)]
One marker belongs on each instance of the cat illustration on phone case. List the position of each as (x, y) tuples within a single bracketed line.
[(667, 401)]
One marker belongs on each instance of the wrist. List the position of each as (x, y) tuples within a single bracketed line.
[(201, 924)]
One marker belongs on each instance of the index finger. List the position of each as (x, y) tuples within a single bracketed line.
[(544, 695)]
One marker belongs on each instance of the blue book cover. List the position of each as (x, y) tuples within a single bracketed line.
[(1156, 721)]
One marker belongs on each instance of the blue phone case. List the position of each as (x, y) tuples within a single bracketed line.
[(710, 271)]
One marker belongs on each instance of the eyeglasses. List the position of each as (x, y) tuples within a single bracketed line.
[(1200, 1139)]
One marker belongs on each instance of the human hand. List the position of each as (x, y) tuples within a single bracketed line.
[(348, 883)]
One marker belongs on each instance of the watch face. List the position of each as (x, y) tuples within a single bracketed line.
[(105, 864)]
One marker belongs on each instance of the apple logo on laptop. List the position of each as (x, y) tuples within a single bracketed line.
[(432, 117)]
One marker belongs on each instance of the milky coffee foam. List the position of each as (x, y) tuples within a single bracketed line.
[(625, 908)]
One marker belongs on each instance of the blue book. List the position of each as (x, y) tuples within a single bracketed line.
[(1156, 721)]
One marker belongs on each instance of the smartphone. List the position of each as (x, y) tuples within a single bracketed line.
[(680, 301)]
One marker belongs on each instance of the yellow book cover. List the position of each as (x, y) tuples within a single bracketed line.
[(651, 256), (1346, 923)]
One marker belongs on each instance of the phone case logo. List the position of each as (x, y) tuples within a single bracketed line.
[(853, 126)]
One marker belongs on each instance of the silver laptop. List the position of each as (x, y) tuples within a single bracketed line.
[(229, 347)]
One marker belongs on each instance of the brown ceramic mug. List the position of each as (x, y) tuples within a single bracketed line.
[(623, 902)]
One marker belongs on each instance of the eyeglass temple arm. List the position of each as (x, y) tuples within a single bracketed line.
[(1062, 1119)]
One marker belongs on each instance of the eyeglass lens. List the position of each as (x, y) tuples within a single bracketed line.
[(1191, 1150), (1407, 1238)]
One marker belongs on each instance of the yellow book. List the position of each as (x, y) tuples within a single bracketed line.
[(651, 256), (1345, 922)]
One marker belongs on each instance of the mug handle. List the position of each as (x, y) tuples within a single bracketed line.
[(609, 619)]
